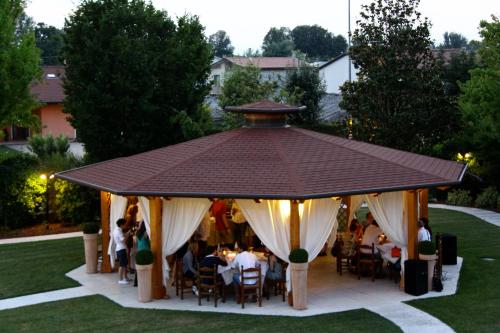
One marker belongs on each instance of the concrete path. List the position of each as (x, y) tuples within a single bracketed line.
[(483, 214), (40, 238), (50, 296)]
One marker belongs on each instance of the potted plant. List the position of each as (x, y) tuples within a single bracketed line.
[(90, 231), (427, 252), (299, 263), (144, 266)]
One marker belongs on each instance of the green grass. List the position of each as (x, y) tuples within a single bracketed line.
[(476, 306), (29, 268), (98, 314)]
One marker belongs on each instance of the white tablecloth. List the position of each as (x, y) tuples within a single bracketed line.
[(385, 252), (228, 271)]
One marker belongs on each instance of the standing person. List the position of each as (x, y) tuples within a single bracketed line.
[(246, 260), (141, 242), (203, 232), (131, 224), (423, 234), (240, 223), (222, 229), (426, 225), (119, 236)]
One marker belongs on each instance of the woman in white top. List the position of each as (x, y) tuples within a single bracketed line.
[(423, 234)]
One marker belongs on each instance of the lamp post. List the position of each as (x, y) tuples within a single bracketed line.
[(47, 197)]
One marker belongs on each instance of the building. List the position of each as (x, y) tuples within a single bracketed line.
[(335, 72), (49, 93), (272, 69)]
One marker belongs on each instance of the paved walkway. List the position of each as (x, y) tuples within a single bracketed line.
[(50, 296), (40, 238), (483, 214)]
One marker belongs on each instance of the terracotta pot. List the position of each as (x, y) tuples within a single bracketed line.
[(431, 262), (299, 285), (144, 282), (90, 242)]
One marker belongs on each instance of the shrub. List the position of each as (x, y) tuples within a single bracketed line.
[(426, 247), (75, 204), (91, 228), (144, 257), (298, 256), (46, 146), (459, 198), (488, 198)]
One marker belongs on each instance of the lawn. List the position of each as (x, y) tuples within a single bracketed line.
[(29, 268), (476, 306)]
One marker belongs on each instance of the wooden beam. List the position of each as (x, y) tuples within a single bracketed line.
[(412, 217), (294, 225), (105, 206), (424, 203), (155, 207)]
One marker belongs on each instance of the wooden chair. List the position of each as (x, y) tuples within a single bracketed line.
[(181, 281), (255, 289), (279, 285), (342, 260), (210, 285), (367, 260)]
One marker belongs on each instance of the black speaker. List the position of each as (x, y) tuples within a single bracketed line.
[(416, 277), (449, 243)]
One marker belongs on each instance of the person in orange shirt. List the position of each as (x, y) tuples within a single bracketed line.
[(222, 229)]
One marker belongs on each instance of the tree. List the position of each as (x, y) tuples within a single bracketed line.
[(49, 40), (453, 40), (480, 103), (304, 87), (221, 44), (277, 43), (241, 86), (251, 53), (134, 78), (317, 42), (457, 70), (398, 100), (19, 60)]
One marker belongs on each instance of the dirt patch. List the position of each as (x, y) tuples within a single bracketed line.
[(38, 230)]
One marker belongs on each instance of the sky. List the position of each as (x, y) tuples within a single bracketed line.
[(247, 23)]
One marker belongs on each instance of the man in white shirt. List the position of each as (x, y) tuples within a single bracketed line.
[(246, 260), (370, 236), (423, 234), (121, 250)]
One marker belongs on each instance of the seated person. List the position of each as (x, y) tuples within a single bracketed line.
[(246, 260), (349, 247), (370, 235), (274, 272), (212, 258), (189, 259)]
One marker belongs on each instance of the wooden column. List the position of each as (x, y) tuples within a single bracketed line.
[(347, 201), (105, 206), (424, 203), (412, 217), (155, 206), (294, 225)]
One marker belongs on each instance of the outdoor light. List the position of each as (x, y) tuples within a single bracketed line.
[(51, 176), (43, 176)]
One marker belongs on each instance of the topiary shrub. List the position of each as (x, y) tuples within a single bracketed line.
[(298, 256), (426, 247), (90, 228), (459, 198), (488, 198), (144, 257)]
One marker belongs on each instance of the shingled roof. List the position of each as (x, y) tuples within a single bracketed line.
[(283, 163), (50, 87)]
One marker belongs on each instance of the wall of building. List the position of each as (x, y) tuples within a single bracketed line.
[(336, 73), (54, 122)]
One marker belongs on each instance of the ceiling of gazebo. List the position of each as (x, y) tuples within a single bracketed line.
[(287, 163)]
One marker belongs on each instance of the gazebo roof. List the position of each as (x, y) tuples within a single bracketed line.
[(265, 106), (282, 163)]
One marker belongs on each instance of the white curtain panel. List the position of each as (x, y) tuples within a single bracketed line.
[(116, 211), (356, 202), (145, 215), (388, 210), (318, 222), (180, 218)]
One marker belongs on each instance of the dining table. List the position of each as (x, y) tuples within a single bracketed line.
[(385, 250), (227, 272)]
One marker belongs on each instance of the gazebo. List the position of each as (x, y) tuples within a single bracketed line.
[(267, 163)]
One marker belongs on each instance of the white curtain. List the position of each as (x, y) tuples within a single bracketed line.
[(180, 218), (116, 211), (356, 202), (387, 209), (145, 215), (318, 222)]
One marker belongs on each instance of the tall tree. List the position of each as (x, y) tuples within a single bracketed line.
[(317, 42), (277, 43), (398, 100), (457, 70), (453, 40), (50, 41), (134, 78), (480, 103), (221, 44), (19, 60), (304, 87)]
